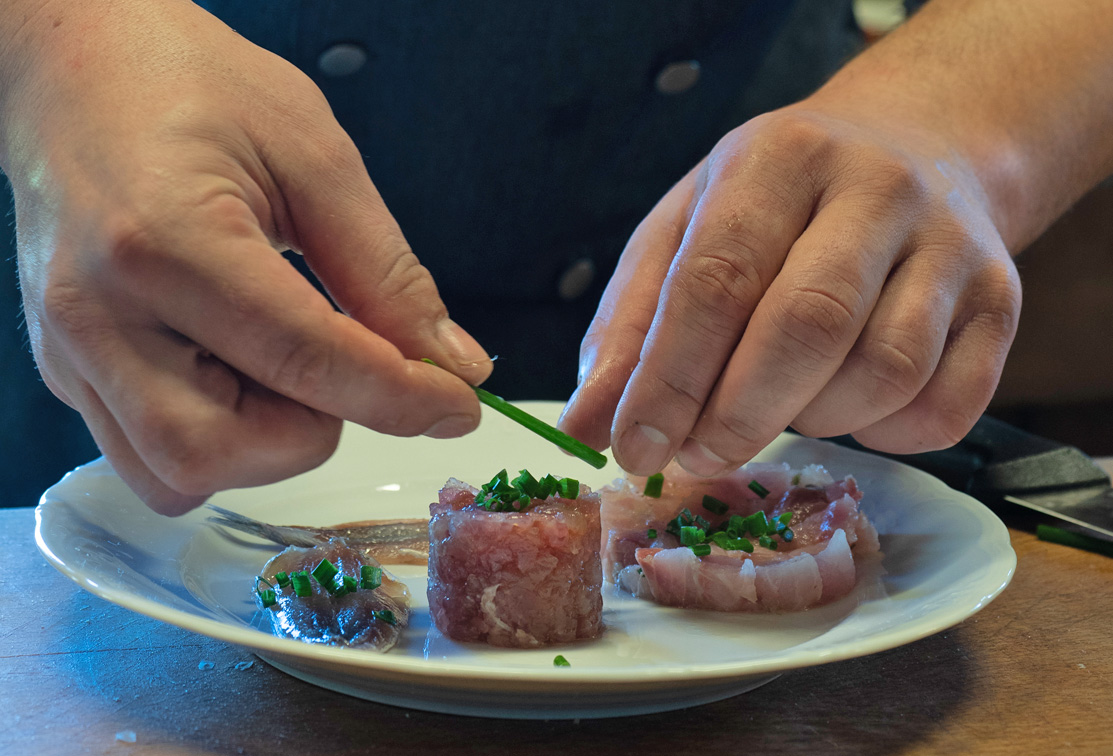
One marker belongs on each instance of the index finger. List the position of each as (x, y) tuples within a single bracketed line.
[(733, 247)]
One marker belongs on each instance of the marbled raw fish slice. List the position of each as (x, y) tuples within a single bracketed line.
[(388, 541)]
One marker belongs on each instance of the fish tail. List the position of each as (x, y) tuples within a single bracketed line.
[(283, 535)]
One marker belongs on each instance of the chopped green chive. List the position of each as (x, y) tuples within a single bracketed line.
[(796, 479), (267, 596), (500, 494), (697, 533), (560, 661), (690, 536), (651, 533), (527, 484), (370, 577), (728, 543), (325, 572), (547, 486), (714, 506), (736, 526), (350, 584), (302, 586), (675, 524), (568, 488), (758, 524), (759, 489), (386, 616), (701, 549), (282, 579), (1075, 540), (653, 485)]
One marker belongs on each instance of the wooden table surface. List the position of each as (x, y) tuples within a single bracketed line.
[(1030, 674)]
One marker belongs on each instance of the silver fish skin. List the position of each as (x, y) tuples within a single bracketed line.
[(348, 620), (388, 541)]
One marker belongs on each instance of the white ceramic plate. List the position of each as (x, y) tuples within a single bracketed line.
[(946, 557)]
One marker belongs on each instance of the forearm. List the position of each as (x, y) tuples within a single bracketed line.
[(1023, 89)]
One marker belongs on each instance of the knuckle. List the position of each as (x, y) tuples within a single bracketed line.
[(680, 385), (403, 290), (719, 279), (333, 150), (744, 433), (406, 277), (303, 370), (180, 453), (897, 179), (896, 366), (1000, 295), (815, 323), (796, 138), (129, 241), (949, 425)]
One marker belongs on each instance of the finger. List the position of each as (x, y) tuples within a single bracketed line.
[(896, 353), (967, 374), (799, 335), (194, 423), (356, 248), (114, 445), (736, 242), (610, 349), (249, 307)]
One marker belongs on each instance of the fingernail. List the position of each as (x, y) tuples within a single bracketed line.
[(699, 460), (460, 345), (643, 449), (452, 426)]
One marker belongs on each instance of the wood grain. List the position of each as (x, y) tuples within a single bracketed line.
[(1030, 674)]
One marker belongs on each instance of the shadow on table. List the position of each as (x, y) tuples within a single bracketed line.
[(190, 694)]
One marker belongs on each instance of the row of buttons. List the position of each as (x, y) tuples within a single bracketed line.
[(676, 78), (345, 59)]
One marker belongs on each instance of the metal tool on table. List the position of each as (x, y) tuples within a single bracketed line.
[(998, 462)]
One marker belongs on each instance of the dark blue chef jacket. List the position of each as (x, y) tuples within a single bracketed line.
[(518, 144)]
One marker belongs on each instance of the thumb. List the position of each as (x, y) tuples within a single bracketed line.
[(355, 247)]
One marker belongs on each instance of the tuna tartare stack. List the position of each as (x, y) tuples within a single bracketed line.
[(516, 563)]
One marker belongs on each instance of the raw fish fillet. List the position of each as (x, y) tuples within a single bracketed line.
[(353, 619), (817, 566)]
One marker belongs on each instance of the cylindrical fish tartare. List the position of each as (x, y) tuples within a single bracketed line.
[(514, 578)]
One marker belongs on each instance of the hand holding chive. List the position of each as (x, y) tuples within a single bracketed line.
[(538, 426)]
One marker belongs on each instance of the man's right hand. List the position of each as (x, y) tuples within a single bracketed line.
[(158, 160)]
